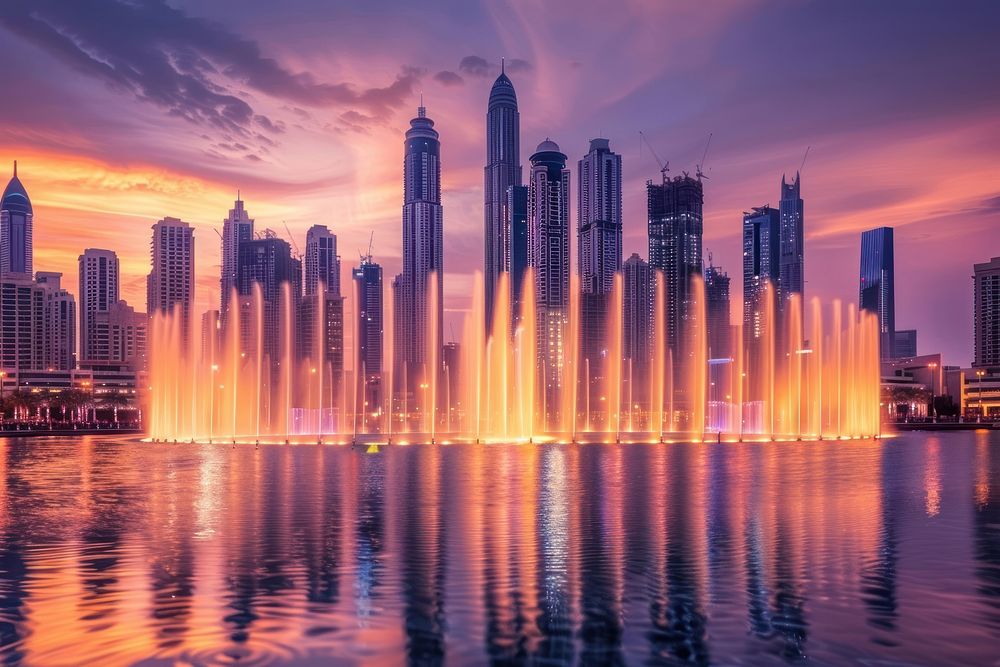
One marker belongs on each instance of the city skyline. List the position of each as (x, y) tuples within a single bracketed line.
[(85, 191)]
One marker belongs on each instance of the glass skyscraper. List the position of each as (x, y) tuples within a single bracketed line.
[(877, 292)]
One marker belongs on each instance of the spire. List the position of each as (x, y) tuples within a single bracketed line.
[(237, 194), (421, 110), (15, 168), (501, 65)]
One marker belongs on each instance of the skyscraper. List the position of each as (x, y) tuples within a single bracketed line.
[(322, 261), (986, 313), (98, 292), (423, 249), (515, 213), (877, 291), (675, 232), (599, 215), (237, 228), (368, 277), (60, 323), (548, 253), (268, 262), (791, 271), (170, 283), (15, 229), (637, 319), (503, 170), (717, 311), (761, 232)]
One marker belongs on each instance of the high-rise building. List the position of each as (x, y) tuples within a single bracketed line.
[(675, 233), (877, 292), (637, 318), (98, 292), (599, 216), (548, 254), (761, 231), (717, 312), (22, 312), (791, 271), (322, 261), (368, 278), (320, 333), (423, 249), (210, 326), (237, 228), (515, 212), (15, 230), (986, 313), (905, 345), (170, 283), (60, 323), (503, 170), (268, 262)]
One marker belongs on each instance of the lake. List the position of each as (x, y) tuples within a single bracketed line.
[(117, 552)]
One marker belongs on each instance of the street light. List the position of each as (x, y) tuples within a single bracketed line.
[(980, 373)]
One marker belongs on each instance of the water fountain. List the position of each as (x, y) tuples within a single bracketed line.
[(807, 373)]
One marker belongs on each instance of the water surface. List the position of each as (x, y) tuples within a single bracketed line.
[(121, 553)]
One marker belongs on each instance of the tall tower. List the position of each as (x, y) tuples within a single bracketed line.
[(237, 228), (675, 231), (761, 230), (599, 216), (15, 230), (877, 291), (268, 262), (986, 313), (322, 261), (368, 276), (548, 253), (515, 216), (170, 283), (791, 272), (503, 170), (98, 293), (423, 230)]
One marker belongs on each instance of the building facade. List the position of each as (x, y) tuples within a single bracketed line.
[(22, 324), (423, 244), (60, 323), (503, 171), (515, 213), (170, 283), (368, 281), (717, 311), (548, 255), (237, 228), (905, 344), (599, 218), (637, 318), (268, 263), (16, 223), (986, 314), (877, 291), (322, 263), (761, 230), (791, 263), (99, 282), (675, 226)]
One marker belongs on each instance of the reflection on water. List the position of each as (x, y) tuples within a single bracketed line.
[(115, 553)]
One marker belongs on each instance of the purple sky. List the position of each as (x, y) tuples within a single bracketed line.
[(122, 113)]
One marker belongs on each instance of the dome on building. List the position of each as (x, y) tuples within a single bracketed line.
[(15, 197), (548, 146)]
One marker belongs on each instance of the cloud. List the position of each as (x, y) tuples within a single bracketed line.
[(518, 66), (193, 68), (475, 66), (448, 78)]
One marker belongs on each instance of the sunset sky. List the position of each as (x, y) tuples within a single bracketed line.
[(120, 113)]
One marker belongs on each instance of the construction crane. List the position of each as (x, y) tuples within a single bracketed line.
[(804, 159), (698, 167), (298, 255), (367, 258), (664, 166)]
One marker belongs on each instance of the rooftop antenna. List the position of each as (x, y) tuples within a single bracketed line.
[(15, 168), (501, 65), (291, 238), (421, 110), (698, 167), (664, 166)]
